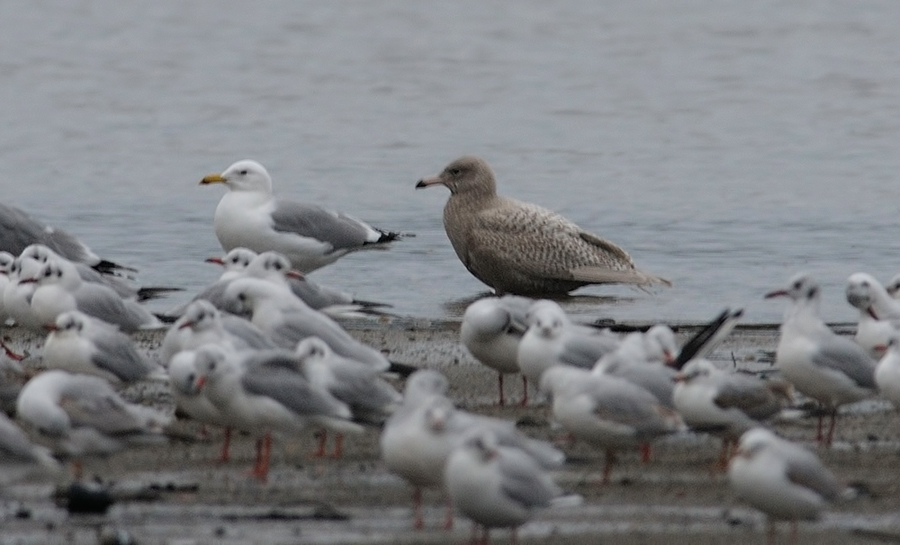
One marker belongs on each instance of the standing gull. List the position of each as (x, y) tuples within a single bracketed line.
[(873, 330), (310, 236), (819, 363), (491, 330), (521, 248), (783, 480)]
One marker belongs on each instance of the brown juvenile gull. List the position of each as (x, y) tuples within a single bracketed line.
[(521, 248)]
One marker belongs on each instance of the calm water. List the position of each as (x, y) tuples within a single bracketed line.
[(726, 145)]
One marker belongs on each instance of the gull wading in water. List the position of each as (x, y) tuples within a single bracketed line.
[(310, 236), (819, 363), (521, 248)]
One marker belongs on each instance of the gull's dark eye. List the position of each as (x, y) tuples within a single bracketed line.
[(865, 284), (201, 316), (242, 296), (798, 284), (453, 171), (243, 172)]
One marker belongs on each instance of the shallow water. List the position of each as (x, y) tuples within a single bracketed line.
[(725, 147)]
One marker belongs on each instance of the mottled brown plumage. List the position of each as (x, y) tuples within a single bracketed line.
[(521, 248)]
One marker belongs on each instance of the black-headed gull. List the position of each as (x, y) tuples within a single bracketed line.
[(552, 339), (887, 373), (84, 416), (521, 248), (606, 411), (491, 330), (783, 480), (879, 314), (250, 216), (496, 486), (370, 398), (820, 364), (60, 289), (724, 403), (287, 320), (188, 395)]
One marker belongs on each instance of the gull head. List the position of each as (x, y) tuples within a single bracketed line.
[(465, 176), (244, 175), (183, 373), (485, 319), (272, 265), (69, 323), (660, 345), (200, 315), (39, 252), (860, 291), (312, 348), (237, 259), (802, 287), (547, 319)]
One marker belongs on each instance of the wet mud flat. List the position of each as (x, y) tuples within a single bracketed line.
[(179, 493)]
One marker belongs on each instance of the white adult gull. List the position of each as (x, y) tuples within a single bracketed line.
[(820, 364), (189, 398), (79, 343), (310, 236), (783, 480)]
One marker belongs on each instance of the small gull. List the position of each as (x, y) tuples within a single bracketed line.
[(125, 289), (420, 435), (496, 486), (491, 330), (79, 343), (234, 263), (893, 286), (18, 293), (310, 236), (202, 323), (820, 364), (84, 416), (521, 248), (606, 411), (872, 332), (552, 339), (61, 289), (643, 359), (371, 399), (18, 230), (262, 392), (287, 320), (887, 373), (783, 480), (725, 403), (188, 395)]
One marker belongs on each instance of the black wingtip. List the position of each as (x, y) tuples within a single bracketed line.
[(705, 339), (109, 267), (402, 369)]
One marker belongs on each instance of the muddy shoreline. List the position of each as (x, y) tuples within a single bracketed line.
[(179, 494)]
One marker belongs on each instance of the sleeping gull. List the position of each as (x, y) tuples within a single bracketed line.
[(491, 330), (496, 486), (18, 293), (606, 411), (873, 329), (783, 480), (521, 248), (60, 289), (819, 363), (310, 236), (79, 343), (18, 230)]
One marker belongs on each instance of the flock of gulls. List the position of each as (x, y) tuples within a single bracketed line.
[(262, 351)]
